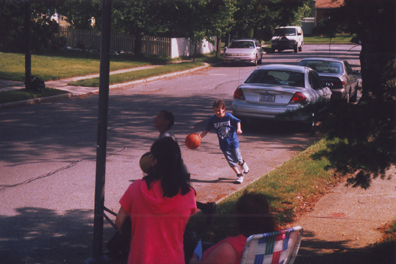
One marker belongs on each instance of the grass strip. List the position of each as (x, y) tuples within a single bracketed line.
[(140, 74), (288, 188), (338, 39), (23, 94)]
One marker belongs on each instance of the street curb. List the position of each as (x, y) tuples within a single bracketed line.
[(35, 101), (114, 86), (154, 78)]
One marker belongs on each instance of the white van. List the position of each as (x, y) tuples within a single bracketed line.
[(287, 38)]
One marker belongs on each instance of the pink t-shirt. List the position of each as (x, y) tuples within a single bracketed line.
[(238, 242), (158, 223)]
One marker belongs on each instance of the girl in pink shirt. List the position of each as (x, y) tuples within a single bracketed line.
[(160, 206)]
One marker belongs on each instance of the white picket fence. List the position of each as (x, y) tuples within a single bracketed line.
[(151, 45)]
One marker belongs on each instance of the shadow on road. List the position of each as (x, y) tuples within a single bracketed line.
[(38, 235)]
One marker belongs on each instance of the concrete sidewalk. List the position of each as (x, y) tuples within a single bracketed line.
[(344, 224)]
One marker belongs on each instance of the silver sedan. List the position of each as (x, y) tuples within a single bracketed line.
[(337, 75), (244, 51), (274, 89)]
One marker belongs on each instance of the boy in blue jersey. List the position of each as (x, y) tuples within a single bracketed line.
[(228, 127)]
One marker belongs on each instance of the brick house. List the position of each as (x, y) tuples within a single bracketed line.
[(323, 8)]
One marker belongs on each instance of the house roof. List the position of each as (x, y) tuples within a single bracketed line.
[(329, 3)]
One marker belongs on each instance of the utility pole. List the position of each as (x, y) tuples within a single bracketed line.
[(102, 133), (28, 60)]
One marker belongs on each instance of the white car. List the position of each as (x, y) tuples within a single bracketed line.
[(274, 89), (243, 51), (291, 37)]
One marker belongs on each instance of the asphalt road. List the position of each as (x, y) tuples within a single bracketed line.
[(48, 154)]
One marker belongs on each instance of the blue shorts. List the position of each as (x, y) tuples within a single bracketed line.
[(233, 156)]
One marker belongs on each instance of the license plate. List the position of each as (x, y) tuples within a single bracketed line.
[(267, 98), (237, 59)]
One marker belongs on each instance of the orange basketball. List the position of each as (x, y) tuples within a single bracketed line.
[(193, 141), (145, 162)]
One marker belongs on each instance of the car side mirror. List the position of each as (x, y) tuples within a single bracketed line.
[(299, 33)]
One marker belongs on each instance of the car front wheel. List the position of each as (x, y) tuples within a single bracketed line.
[(255, 61)]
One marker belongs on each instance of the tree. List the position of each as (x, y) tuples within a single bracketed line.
[(257, 18), (374, 23), (138, 17), (12, 25), (364, 134), (81, 14), (222, 13)]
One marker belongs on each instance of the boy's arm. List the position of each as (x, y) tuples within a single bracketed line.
[(239, 129), (203, 133)]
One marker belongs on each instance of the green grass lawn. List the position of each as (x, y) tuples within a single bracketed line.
[(339, 39), (60, 65)]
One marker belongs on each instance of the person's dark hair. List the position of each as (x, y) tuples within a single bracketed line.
[(253, 214), (170, 117), (169, 168), (219, 103)]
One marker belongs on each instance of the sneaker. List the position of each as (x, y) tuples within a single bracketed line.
[(244, 167), (239, 179)]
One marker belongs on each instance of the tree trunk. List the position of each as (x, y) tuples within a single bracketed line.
[(218, 46), (195, 50), (227, 41)]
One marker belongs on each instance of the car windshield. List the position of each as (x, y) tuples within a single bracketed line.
[(282, 77), (323, 66), (285, 32), (242, 45)]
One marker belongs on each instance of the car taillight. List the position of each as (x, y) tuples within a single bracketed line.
[(336, 83), (297, 98), (239, 94)]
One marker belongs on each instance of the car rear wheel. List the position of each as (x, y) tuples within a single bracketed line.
[(300, 48)]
